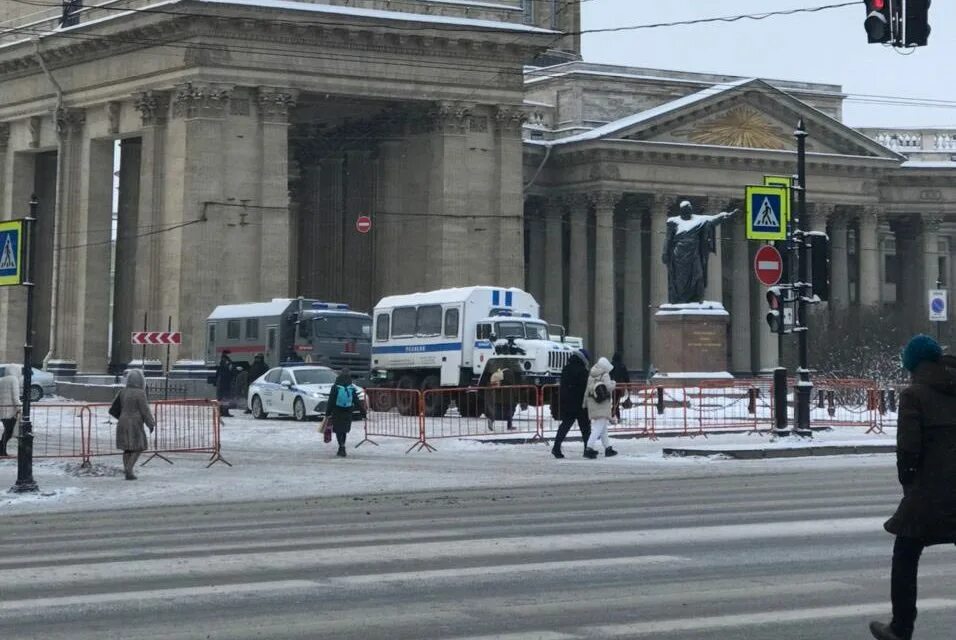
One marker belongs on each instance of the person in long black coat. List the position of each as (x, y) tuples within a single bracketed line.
[(574, 382), (341, 417), (926, 468), (223, 380)]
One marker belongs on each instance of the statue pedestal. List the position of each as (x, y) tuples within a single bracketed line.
[(692, 341)]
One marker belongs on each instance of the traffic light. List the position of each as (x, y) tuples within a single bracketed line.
[(916, 20), (879, 21), (775, 315), (820, 266)]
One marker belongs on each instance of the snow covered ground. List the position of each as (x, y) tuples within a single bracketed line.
[(284, 459)]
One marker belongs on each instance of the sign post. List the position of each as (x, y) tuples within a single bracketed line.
[(25, 482)]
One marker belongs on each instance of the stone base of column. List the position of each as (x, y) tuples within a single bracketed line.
[(692, 341), (62, 368), (150, 368)]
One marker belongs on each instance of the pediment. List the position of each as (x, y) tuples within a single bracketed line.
[(750, 115)]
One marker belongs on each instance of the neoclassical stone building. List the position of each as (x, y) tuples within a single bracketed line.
[(610, 151), (235, 142)]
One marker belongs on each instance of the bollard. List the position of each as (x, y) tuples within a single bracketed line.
[(831, 403), (819, 398), (780, 402), (660, 401), (752, 400), (893, 400), (882, 402)]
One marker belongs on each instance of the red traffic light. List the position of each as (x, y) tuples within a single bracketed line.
[(879, 4), (879, 21)]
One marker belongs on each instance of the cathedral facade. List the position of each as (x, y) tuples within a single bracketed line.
[(191, 153)]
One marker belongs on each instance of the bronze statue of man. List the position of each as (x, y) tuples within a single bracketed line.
[(691, 238)]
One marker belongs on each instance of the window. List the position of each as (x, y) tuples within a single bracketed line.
[(315, 376), (305, 329), (429, 320), (212, 335), (535, 331), (232, 330), (890, 268), (403, 321), (338, 326), (381, 326), (252, 329), (273, 376), (483, 332), (451, 323), (272, 339)]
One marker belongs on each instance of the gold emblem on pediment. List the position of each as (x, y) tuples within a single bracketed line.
[(740, 127)]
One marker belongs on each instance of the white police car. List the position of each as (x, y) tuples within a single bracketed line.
[(300, 391)]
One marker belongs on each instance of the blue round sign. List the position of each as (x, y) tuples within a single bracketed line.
[(937, 305)]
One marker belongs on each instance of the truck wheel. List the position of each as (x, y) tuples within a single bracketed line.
[(381, 400), (406, 402), (468, 404), (436, 404)]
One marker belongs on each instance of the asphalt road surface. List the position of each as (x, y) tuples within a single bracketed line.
[(781, 556)]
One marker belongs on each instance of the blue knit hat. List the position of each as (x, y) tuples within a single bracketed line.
[(920, 348)]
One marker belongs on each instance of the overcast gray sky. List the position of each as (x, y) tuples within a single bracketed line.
[(829, 46)]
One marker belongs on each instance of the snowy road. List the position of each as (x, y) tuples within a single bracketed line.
[(777, 555)]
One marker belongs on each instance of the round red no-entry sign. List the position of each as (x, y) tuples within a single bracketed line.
[(768, 265), (363, 224)]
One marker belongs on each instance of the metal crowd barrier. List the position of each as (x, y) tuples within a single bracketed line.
[(88, 431)]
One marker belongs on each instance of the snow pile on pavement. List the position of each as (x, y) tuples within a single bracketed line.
[(283, 459)]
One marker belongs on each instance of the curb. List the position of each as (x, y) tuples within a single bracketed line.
[(764, 454)]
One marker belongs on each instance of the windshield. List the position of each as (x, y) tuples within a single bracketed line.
[(314, 376), (509, 330), (536, 331), (350, 327)]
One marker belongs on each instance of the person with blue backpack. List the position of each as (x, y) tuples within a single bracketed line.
[(343, 401)]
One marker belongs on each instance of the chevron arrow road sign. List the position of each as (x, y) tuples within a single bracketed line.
[(157, 337)]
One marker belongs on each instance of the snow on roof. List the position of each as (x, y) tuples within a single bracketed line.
[(929, 164), (443, 296), (232, 311), (625, 123), (382, 14)]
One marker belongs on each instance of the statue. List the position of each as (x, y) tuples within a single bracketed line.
[(691, 238)]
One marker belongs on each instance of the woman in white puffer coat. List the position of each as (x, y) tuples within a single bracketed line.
[(599, 410)]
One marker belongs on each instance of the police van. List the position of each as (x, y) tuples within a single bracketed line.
[(291, 329), (457, 338)]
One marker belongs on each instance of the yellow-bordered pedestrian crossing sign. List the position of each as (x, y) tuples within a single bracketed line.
[(767, 212), (11, 243)]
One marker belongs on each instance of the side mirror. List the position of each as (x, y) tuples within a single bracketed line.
[(286, 384)]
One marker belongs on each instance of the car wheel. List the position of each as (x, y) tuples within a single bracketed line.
[(36, 392), (298, 409), (257, 411)]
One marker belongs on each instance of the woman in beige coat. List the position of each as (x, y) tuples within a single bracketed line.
[(9, 407), (134, 413)]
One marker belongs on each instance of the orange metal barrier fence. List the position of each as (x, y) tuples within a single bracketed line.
[(86, 431)]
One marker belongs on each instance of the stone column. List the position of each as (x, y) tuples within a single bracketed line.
[(660, 210), (741, 353), (715, 265), (510, 190), (870, 281), (277, 259), (634, 304), (125, 252), (930, 252), (153, 107), (536, 265), (553, 305), (11, 333), (65, 294), (605, 308), (839, 271), (579, 289), (5, 178)]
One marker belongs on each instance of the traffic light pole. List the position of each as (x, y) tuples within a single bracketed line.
[(25, 482), (804, 385)]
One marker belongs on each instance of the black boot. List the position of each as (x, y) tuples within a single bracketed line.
[(887, 632), (590, 453), (610, 452), (556, 452), (341, 452)]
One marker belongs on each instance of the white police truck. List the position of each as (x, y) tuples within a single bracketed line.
[(458, 338)]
